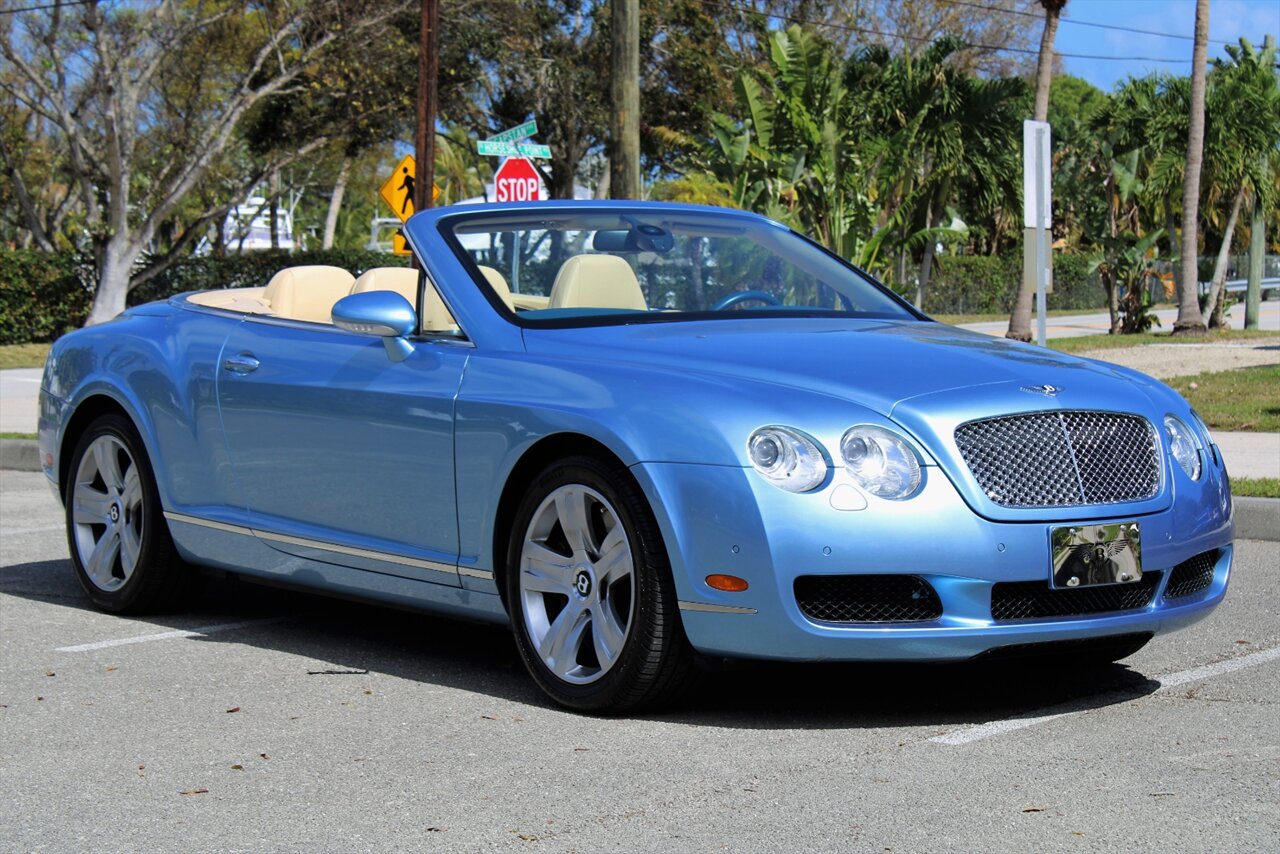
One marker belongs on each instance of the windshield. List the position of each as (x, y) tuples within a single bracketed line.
[(593, 266)]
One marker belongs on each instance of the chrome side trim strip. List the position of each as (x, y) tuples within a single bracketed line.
[(714, 609), (475, 573), (432, 565), (386, 557), (208, 523)]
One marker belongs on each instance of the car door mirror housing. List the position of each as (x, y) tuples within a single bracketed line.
[(386, 314)]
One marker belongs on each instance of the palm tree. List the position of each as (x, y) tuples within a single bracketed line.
[(1190, 321)]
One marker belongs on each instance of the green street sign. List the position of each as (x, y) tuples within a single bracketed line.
[(490, 148), (523, 131), (529, 149)]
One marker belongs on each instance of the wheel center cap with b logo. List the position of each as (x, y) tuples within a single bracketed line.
[(114, 513), (583, 583)]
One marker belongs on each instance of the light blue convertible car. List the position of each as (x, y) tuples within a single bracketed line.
[(643, 434)]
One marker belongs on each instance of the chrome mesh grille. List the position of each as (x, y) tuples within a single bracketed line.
[(1062, 459), (867, 598), (1192, 575)]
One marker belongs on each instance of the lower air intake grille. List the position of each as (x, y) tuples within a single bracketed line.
[(1033, 600), (867, 598), (1192, 575)]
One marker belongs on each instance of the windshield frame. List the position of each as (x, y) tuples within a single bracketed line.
[(445, 226)]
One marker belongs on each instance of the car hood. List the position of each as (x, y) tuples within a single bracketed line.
[(876, 363)]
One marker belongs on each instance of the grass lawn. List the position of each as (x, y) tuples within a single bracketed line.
[(1263, 487), (954, 319), (22, 355), (1243, 399), (1109, 342), (17, 435)]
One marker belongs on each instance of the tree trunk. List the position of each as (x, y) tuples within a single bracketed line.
[(1044, 62), (1175, 251), (1257, 250), (624, 156), (931, 221), (1190, 321), (1020, 319), (115, 263), (273, 202), (335, 203), (1113, 299), (1220, 265)]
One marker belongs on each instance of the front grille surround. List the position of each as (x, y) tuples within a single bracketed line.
[(869, 598), (1036, 600), (1192, 575), (1062, 458)]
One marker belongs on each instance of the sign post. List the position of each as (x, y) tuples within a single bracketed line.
[(1037, 215)]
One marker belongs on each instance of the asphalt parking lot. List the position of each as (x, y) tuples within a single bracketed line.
[(271, 720)]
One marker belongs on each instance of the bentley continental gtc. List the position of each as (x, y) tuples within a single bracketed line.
[(642, 435)]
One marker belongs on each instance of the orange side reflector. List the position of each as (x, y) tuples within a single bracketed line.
[(728, 583)]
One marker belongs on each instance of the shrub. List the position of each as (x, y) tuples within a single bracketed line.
[(44, 294), (982, 284)]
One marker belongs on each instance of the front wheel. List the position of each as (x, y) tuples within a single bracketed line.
[(590, 594), (120, 546)]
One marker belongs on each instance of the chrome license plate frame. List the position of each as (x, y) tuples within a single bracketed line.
[(1094, 555)]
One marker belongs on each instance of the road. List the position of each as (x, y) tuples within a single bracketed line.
[(268, 720)]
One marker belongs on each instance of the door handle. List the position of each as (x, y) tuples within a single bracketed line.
[(244, 363)]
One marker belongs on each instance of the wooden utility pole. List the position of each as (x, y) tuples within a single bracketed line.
[(624, 154), (428, 69)]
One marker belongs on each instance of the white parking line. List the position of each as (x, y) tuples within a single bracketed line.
[(1167, 682), (181, 633)]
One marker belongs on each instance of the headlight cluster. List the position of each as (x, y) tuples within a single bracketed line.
[(878, 460), (1182, 445)]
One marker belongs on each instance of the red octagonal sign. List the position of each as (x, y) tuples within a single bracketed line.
[(517, 181)]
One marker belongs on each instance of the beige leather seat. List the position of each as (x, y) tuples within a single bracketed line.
[(597, 281), (307, 293), (499, 284), (404, 281)]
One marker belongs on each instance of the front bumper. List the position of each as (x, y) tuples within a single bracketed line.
[(728, 520)]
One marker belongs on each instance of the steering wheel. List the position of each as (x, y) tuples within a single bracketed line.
[(730, 300)]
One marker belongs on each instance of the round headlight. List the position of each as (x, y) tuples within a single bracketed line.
[(1183, 446), (880, 461), (787, 458)]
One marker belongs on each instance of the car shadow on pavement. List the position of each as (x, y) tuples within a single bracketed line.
[(333, 637)]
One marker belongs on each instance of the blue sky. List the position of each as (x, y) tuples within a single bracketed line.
[(1228, 20)]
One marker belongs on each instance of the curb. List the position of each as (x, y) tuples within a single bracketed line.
[(19, 455), (1256, 518)]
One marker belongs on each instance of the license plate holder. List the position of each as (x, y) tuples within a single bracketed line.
[(1094, 555)]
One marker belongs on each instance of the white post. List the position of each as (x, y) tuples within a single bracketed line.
[(1037, 209)]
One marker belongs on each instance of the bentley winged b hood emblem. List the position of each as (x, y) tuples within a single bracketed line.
[(1047, 390)]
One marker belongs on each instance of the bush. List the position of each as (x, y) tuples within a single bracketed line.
[(981, 284), (44, 294)]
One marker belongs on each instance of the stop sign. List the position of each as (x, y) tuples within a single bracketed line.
[(517, 181)]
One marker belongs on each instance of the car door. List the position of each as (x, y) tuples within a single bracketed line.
[(342, 454)]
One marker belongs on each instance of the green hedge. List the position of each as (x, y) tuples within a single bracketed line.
[(980, 284), (43, 295)]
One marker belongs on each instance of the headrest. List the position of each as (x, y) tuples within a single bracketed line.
[(402, 280), (307, 293), (499, 284)]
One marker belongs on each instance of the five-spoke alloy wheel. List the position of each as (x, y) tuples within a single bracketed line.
[(590, 593), (120, 544)]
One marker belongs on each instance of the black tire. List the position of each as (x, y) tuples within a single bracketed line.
[(130, 511), (655, 663)]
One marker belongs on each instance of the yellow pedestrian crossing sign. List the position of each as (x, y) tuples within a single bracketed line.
[(398, 246), (397, 191)]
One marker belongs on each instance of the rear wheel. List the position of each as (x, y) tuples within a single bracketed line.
[(590, 593), (120, 545)]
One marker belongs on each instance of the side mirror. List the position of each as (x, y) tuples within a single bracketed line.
[(383, 313)]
